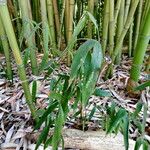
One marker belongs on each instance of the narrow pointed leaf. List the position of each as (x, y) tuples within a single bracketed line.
[(116, 120)]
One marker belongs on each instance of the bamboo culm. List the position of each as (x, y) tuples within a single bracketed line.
[(16, 52)]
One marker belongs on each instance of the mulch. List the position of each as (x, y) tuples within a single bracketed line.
[(15, 118)]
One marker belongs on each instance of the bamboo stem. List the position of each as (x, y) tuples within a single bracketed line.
[(111, 27), (130, 40), (29, 36), (140, 49), (5, 45), (44, 27), (90, 25), (51, 24), (15, 49), (145, 11), (117, 8), (127, 5), (57, 19), (138, 21), (125, 29), (120, 26), (105, 25), (70, 27), (61, 23)]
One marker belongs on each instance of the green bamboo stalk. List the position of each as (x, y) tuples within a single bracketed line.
[(5, 45), (51, 24), (44, 26), (16, 9), (29, 10), (66, 19), (70, 21), (138, 21), (35, 13), (141, 47), (16, 52), (145, 11), (61, 24), (123, 33), (90, 25), (130, 40), (117, 8), (120, 25), (127, 5), (105, 25), (70, 27), (57, 19), (29, 36), (111, 26), (125, 29)]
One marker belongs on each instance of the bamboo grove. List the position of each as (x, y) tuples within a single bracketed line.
[(57, 28)]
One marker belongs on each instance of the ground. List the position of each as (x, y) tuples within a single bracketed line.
[(15, 119)]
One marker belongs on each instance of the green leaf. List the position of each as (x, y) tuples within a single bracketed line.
[(46, 113), (97, 56), (143, 86), (88, 88), (138, 143), (48, 142), (58, 129), (80, 57), (146, 145), (91, 17), (139, 106), (42, 137), (26, 56), (126, 131), (92, 112), (102, 93), (34, 89), (116, 120), (56, 96), (81, 24)]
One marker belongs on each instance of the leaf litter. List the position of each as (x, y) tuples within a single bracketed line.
[(16, 123)]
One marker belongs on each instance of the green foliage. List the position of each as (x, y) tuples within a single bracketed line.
[(79, 85), (118, 119), (143, 86), (102, 93)]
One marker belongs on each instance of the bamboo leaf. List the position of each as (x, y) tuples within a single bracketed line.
[(126, 131), (88, 87), (81, 24), (138, 143), (42, 137), (102, 93), (80, 57), (143, 86), (116, 120), (46, 113), (91, 17), (58, 129), (26, 56), (138, 109), (146, 145), (97, 56), (56, 96), (92, 112), (34, 89), (48, 142)]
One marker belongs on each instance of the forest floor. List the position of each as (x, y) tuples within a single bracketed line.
[(15, 119)]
